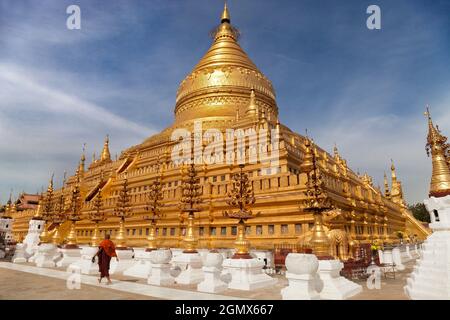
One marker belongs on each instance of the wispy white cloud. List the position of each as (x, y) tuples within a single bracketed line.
[(22, 84)]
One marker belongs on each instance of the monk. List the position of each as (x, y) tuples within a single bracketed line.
[(106, 250)]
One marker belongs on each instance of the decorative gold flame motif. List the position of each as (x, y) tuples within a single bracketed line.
[(191, 192), (316, 201), (74, 215), (123, 210), (242, 197), (154, 204), (97, 216), (59, 215)]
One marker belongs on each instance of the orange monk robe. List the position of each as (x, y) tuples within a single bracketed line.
[(108, 247)]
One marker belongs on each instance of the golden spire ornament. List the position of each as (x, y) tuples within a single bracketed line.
[(9, 207), (189, 200), (439, 150), (74, 215), (242, 197), (106, 155), (47, 212), (252, 107), (225, 15), (59, 214), (82, 160), (97, 216), (155, 196), (387, 193), (316, 201), (123, 211)]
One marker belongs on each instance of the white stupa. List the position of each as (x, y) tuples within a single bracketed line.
[(431, 276)]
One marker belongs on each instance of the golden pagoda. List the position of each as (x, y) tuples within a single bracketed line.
[(439, 150), (225, 90)]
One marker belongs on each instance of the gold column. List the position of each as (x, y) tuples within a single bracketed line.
[(122, 211), (241, 196), (72, 237), (319, 240), (95, 239), (57, 239), (190, 242), (152, 239), (97, 215), (242, 245), (43, 237), (121, 238)]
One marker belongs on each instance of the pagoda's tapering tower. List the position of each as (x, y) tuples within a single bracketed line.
[(221, 82), (431, 276)]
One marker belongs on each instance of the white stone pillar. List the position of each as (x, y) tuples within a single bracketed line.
[(191, 268), (247, 274), (408, 252), (69, 256), (301, 274), (45, 254), (387, 255), (212, 270), (85, 264), (397, 258), (334, 286), (142, 266), (19, 254), (125, 261), (31, 241), (380, 255), (160, 275)]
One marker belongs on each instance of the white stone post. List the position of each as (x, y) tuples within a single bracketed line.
[(142, 266), (160, 275), (191, 268), (69, 256), (45, 254), (247, 274), (212, 270), (125, 261), (302, 276), (397, 258), (19, 254), (334, 286), (85, 264), (380, 256)]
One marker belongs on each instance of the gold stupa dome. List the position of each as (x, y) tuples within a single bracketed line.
[(222, 81)]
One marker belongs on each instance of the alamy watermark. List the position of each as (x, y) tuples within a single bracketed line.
[(234, 146)]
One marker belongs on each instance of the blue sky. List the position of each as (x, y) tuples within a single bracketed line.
[(363, 89)]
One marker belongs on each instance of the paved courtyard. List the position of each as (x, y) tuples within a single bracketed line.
[(25, 281)]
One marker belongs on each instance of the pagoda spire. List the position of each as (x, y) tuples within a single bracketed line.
[(438, 147), (387, 192), (105, 153), (252, 107), (50, 184), (396, 187), (82, 160), (225, 14), (393, 173)]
